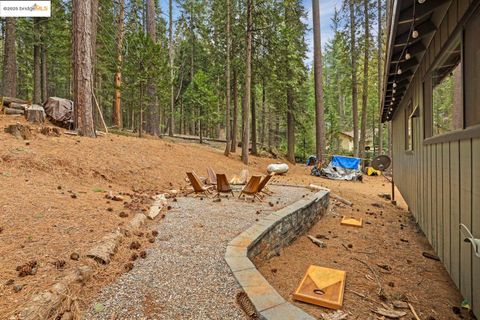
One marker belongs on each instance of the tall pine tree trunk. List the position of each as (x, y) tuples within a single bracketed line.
[(254, 113), (290, 100), (94, 17), (354, 76), (248, 82), (318, 74), (44, 72), (262, 127), (117, 104), (37, 63), (153, 115), (290, 125), (82, 67), (379, 70), (363, 131), (235, 113), (269, 128), (9, 87), (228, 89), (171, 125)]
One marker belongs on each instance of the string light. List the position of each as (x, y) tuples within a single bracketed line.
[(414, 34)]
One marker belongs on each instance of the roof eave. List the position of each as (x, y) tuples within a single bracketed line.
[(390, 45)]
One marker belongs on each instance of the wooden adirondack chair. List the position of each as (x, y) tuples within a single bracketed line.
[(263, 184), (251, 188), (198, 186), (223, 186), (212, 177)]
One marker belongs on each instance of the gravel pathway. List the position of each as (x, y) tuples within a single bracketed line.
[(184, 275)]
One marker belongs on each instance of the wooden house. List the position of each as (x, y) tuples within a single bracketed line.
[(431, 95)]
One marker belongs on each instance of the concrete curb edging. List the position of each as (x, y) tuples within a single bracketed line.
[(265, 239)]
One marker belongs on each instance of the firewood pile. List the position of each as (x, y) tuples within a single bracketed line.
[(18, 107)]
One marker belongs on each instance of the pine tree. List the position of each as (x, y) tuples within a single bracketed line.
[(117, 104), (248, 82), (319, 111), (9, 87), (353, 53), (37, 62), (366, 49), (82, 69)]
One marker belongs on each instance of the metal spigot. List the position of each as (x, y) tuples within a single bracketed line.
[(469, 237)]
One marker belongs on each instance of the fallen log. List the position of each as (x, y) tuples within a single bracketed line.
[(45, 304), (137, 221), (159, 205), (342, 200), (333, 195), (11, 111), (103, 252), (19, 131), (18, 106), (8, 100), (392, 314), (35, 114), (319, 243)]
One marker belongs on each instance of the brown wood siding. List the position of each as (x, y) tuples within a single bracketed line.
[(441, 182)]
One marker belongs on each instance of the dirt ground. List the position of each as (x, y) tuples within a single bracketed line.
[(390, 243), (52, 200), (52, 204)]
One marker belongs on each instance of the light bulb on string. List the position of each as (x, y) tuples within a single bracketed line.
[(408, 56), (415, 34), (399, 71)]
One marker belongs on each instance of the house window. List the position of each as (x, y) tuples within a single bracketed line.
[(452, 86), (447, 91), (409, 128), (472, 70)]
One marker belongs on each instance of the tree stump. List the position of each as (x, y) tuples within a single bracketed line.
[(50, 131), (35, 114), (19, 131)]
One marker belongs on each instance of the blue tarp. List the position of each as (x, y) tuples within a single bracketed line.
[(346, 162)]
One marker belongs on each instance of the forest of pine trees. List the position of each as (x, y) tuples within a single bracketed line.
[(238, 70)]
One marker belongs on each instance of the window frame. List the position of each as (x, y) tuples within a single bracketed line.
[(409, 139), (465, 132)]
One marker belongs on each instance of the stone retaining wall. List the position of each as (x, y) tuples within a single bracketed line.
[(264, 240)]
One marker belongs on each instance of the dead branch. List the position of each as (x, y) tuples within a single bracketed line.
[(380, 288)]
